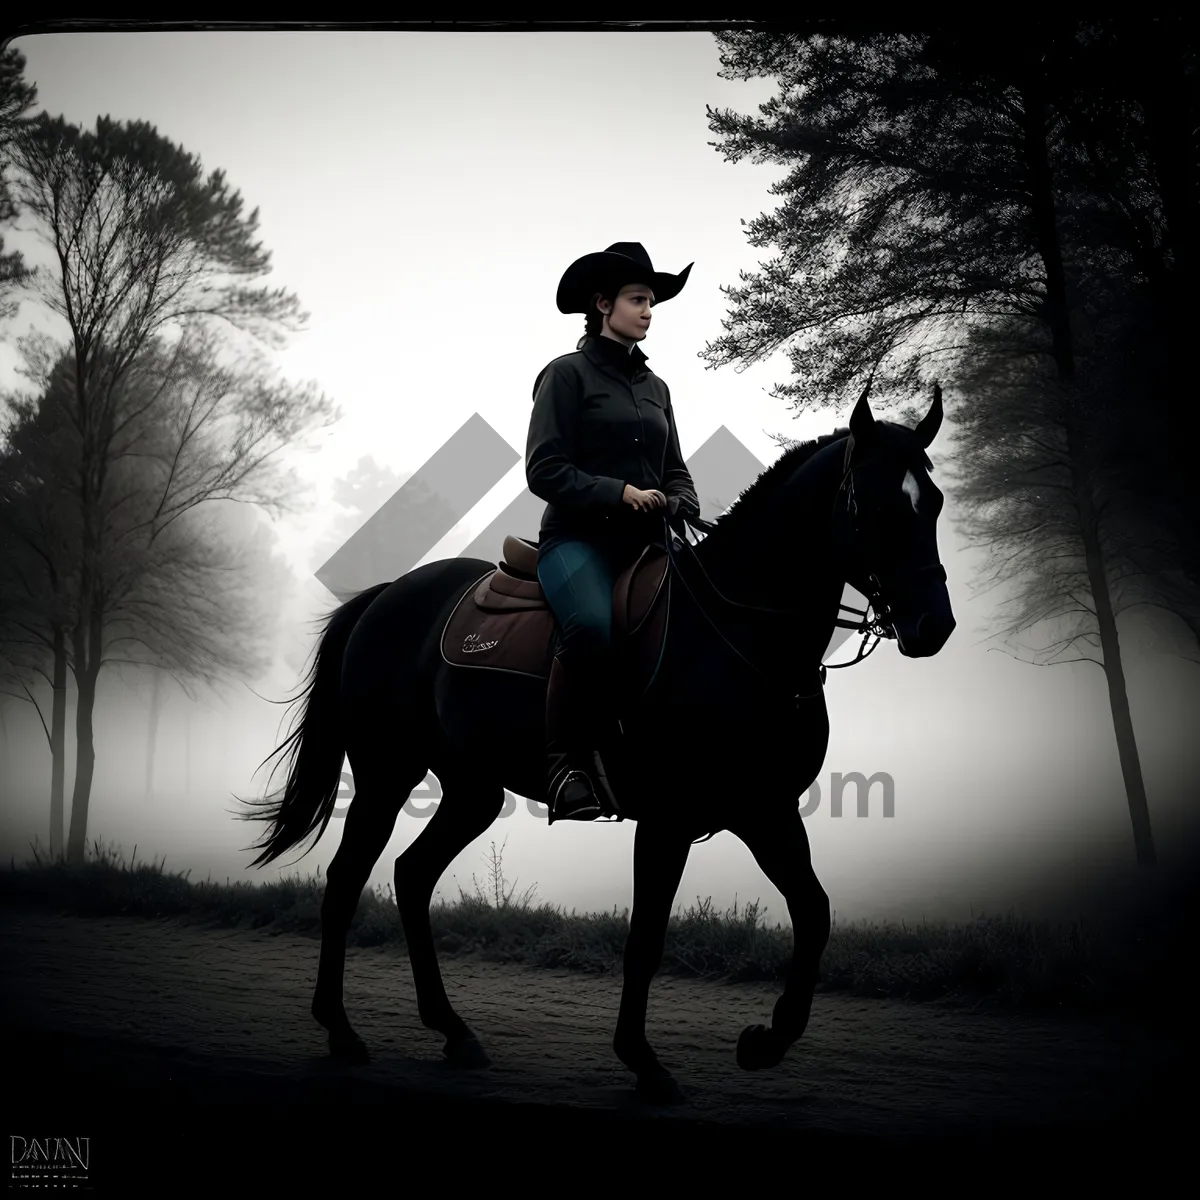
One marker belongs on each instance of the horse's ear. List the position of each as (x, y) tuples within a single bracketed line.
[(931, 422), (862, 420)]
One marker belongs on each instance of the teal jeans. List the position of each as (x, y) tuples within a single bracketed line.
[(577, 578)]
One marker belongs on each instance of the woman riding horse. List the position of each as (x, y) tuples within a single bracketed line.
[(603, 452)]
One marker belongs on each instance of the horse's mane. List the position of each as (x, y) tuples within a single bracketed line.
[(756, 498)]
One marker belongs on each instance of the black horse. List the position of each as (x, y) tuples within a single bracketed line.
[(752, 607)]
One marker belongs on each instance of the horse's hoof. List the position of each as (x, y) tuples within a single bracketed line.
[(758, 1048), (350, 1048), (466, 1053), (659, 1090)]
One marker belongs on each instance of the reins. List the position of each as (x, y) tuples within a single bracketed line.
[(877, 626)]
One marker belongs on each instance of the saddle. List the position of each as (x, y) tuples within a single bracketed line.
[(504, 623)]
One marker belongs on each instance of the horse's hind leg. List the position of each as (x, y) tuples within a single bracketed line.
[(779, 843), (366, 831), (470, 803)]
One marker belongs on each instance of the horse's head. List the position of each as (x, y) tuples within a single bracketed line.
[(893, 508)]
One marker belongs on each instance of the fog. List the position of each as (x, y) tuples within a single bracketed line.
[(1006, 791), (423, 201)]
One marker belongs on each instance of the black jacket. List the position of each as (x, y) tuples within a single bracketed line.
[(602, 419)]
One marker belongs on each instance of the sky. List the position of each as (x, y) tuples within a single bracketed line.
[(422, 193)]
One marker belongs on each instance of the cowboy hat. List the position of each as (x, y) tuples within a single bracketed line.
[(621, 263)]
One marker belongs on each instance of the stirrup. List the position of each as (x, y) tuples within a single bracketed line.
[(588, 811)]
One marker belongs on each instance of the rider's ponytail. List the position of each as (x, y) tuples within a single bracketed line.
[(593, 323)]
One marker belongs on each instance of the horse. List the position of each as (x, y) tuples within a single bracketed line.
[(727, 646)]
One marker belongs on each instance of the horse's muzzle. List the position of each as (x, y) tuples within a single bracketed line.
[(931, 633)]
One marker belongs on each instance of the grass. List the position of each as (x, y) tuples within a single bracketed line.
[(1001, 961)]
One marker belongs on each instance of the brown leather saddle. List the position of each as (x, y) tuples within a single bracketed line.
[(504, 623)]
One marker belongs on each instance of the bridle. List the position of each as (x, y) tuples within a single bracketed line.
[(879, 625)]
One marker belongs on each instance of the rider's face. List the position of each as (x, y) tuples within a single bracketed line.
[(628, 317)]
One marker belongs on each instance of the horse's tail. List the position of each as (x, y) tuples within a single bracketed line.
[(314, 746)]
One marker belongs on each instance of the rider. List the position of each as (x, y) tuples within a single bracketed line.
[(603, 452)]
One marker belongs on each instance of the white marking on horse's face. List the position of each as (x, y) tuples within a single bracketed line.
[(911, 489)]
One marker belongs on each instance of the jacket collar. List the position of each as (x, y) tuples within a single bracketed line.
[(605, 352)]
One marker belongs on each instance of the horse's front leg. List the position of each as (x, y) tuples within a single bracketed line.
[(659, 856), (779, 843)]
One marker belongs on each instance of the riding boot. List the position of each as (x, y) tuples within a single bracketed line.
[(573, 699)]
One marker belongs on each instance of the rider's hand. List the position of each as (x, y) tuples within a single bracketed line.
[(643, 501)]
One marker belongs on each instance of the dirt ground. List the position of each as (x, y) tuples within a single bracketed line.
[(127, 1027)]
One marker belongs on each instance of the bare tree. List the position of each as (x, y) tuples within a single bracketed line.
[(147, 250), (168, 589), (179, 588)]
